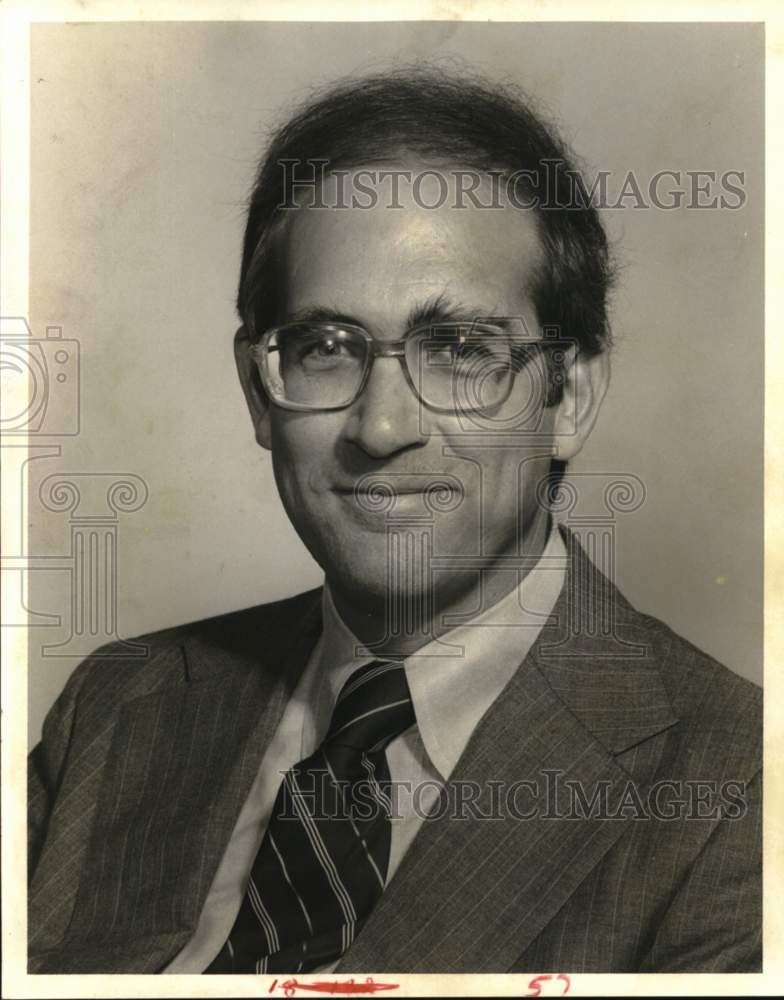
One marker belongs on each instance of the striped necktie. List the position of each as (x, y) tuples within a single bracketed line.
[(322, 864)]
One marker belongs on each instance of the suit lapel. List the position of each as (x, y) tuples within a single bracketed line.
[(472, 894), (179, 769)]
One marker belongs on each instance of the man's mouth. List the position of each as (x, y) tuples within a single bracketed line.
[(382, 492), (371, 491)]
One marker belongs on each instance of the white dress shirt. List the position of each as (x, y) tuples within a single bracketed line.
[(452, 682)]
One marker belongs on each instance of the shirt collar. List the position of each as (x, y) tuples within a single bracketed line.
[(455, 679)]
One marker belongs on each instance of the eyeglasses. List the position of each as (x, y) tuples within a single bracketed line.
[(451, 366)]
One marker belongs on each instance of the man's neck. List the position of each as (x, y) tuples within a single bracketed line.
[(461, 593)]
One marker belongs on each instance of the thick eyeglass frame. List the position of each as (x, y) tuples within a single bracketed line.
[(382, 349)]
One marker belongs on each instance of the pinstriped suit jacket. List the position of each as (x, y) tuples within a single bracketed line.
[(144, 766)]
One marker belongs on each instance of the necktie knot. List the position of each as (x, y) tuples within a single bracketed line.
[(373, 707)]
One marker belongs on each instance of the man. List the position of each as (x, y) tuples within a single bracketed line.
[(468, 752)]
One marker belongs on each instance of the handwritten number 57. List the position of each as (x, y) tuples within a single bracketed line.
[(535, 984)]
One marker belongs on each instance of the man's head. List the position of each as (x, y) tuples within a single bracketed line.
[(464, 244)]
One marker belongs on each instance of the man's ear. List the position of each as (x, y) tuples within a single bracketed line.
[(255, 397), (585, 382)]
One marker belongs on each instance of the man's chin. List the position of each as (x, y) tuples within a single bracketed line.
[(368, 590), (364, 514), (375, 586)]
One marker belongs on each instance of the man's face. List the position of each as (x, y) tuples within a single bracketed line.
[(379, 268)]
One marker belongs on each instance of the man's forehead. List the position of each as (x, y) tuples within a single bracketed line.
[(416, 246), (381, 266)]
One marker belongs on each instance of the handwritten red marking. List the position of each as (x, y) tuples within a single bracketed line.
[(535, 984), (348, 986)]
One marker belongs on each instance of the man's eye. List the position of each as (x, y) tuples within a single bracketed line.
[(324, 350), (464, 352)]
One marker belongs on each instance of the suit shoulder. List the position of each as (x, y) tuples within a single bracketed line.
[(716, 706), (119, 671), (255, 622)]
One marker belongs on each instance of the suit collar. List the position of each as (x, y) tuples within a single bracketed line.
[(256, 640)]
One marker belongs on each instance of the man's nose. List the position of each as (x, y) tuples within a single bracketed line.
[(386, 418)]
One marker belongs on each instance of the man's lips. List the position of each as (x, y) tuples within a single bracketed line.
[(383, 494), (395, 490)]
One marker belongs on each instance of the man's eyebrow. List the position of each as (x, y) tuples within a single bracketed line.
[(322, 314), (442, 309), (439, 309)]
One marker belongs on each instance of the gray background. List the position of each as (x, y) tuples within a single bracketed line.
[(144, 142)]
